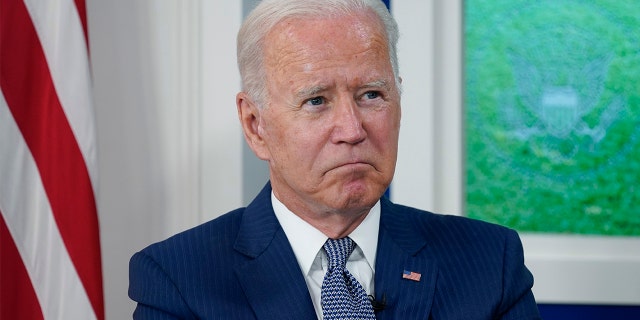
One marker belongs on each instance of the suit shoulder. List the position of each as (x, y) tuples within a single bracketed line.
[(452, 228)]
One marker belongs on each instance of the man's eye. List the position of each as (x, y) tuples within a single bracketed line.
[(372, 94), (316, 101)]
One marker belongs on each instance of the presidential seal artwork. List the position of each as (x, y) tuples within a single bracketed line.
[(552, 115)]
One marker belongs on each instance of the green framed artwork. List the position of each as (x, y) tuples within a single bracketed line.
[(552, 115)]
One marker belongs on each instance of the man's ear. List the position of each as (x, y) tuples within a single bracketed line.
[(250, 119)]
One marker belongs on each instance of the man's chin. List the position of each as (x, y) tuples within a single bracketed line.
[(359, 196)]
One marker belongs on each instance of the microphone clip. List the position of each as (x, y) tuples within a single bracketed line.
[(378, 305)]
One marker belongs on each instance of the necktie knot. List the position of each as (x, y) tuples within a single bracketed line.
[(338, 252)]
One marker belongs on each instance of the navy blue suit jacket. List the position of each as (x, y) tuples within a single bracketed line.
[(241, 266)]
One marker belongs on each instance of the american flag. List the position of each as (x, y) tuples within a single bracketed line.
[(50, 264), (411, 275)]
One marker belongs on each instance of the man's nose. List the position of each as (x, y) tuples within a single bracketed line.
[(348, 126)]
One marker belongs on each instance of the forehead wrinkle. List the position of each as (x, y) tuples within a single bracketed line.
[(280, 53)]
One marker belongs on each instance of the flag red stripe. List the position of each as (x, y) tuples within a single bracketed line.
[(34, 104), (18, 300), (82, 12)]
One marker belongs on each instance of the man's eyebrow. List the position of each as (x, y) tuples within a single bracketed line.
[(310, 92), (377, 84), (316, 90)]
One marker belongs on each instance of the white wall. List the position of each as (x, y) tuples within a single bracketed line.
[(131, 189), (171, 152), (429, 169), (168, 140)]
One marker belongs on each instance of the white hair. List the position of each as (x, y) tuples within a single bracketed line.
[(250, 41)]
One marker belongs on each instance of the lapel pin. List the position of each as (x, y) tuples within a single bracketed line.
[(411, 275)]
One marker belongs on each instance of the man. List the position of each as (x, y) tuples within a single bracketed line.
[(321, 104)]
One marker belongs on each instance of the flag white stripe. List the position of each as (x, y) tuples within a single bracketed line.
[(29, 218), (61, 35)]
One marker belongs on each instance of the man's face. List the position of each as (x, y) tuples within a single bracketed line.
[(330, 127)]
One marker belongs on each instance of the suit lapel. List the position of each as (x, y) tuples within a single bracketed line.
[(400, 250), (271, 279)]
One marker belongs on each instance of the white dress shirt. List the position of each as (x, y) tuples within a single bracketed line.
[(307, 243)]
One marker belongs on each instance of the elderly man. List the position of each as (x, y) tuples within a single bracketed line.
[(321, 105)]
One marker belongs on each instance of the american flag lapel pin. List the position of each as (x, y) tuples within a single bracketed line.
[(411, 275)]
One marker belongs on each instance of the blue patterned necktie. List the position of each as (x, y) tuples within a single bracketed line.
[(342, 296)]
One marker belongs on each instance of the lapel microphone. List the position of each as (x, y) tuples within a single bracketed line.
[(378, 305)]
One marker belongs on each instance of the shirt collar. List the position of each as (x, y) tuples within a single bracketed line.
[(306, 240)]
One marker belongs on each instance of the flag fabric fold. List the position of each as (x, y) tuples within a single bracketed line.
[(50, 264)]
